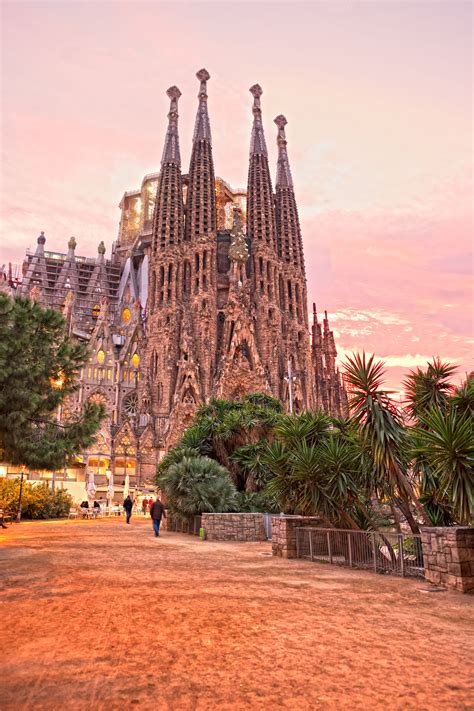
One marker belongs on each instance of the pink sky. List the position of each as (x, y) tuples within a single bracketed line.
[(378, 97)]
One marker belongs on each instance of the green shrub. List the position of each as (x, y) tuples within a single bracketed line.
[(38, 501), (195, 485)]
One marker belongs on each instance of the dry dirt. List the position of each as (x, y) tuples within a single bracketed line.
[(100, 615)]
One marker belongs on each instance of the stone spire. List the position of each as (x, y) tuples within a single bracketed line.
[(260, 206), (201, 215), (284, 178), (168, 223), (290, 243), (257, 140), (171, 150), (202, 127), (35, 276)]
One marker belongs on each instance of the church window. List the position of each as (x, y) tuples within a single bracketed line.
[(95, 373), (159, 393), (126, 315), (109, 373), (135, 360), (89, 372), (100, 356), (187, 278), (125, 372)]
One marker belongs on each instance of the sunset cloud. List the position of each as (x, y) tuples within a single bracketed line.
[(379, 139)]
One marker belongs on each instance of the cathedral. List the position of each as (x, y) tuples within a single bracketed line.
[(204, 295)]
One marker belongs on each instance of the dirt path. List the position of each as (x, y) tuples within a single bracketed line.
[(98, 615)]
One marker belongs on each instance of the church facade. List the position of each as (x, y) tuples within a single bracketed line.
[(204, 295)]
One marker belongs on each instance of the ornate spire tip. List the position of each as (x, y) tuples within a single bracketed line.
[(72, 243), (256, 91), (203, 75), (280, 121), (173, 93)]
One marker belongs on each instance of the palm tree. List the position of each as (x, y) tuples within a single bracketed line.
[(444, 443), (221, 428), (197, 484), (381, 427), (430, 388)]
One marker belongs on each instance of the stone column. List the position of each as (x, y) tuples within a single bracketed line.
[(284, 533), (448, 555)]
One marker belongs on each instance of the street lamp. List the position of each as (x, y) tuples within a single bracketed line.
[(57, 382), (18, 516)]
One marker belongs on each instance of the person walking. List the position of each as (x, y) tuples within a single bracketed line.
[(145, 506), (157, 511), (128, 506)]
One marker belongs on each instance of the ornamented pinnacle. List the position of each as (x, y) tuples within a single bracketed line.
[(171, 150), (238, 251), (41, 239), (257, 141), (203, 76), (101, 248), (72, 244), (202, 127), (284, 179)]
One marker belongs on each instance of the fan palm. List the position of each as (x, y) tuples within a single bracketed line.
[(195, 485)]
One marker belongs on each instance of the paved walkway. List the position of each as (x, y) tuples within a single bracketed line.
[(100, 615)]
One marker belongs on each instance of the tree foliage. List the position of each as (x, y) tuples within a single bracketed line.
[(194, 484), (39, 365), (349, 471), (38, 501)]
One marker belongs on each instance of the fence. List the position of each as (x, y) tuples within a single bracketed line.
[(178, 525), (395, 553)]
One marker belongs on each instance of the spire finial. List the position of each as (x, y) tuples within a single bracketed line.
[(171, 150), (257, 142), (72, 244), (101, 248), (203, 76), (202, 127), (41, 239), (284, 179)]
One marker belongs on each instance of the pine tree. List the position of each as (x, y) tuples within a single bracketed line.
[(39, 366)]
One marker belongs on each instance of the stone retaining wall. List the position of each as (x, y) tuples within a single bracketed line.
[(284, 533), (448, 555), (233, 527)]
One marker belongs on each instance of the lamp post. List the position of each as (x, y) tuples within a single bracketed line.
[(57, 382), (18, 516)]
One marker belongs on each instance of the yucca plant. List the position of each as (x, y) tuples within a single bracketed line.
[(430, 388), (444, 444), (381, 427)]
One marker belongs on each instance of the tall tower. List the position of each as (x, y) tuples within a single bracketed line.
[(292, 276), (164, 317), (199, 278), (261, 232)]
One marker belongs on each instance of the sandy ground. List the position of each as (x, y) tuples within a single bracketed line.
[(100, 615)]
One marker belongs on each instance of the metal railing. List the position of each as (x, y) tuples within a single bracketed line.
[(179, 525), (395, 553)]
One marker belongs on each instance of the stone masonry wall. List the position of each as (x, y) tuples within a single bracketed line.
[(284, 533), (448, 555), (233, 527)]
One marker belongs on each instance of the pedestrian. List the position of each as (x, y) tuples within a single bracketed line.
[(128, 506), (157, 510), (145, 506)]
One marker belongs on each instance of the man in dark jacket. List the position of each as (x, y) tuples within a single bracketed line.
[(157, 510), (128, 506)]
